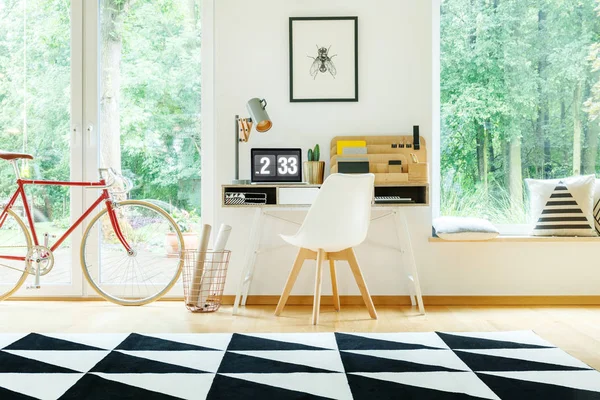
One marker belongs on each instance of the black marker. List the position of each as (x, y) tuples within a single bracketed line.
[(416, 141)]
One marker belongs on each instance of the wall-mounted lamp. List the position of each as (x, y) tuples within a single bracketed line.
[(259, 117)]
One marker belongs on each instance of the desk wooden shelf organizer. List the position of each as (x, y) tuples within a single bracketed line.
[(410, 182)]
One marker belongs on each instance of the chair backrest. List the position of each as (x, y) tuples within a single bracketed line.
[(340, 216)]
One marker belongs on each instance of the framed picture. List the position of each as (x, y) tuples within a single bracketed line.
[(323, 59)]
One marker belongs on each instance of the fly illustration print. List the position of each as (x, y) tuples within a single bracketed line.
[(323, 62), (323, 59)]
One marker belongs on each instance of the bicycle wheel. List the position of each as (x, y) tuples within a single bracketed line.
[(14, 242), (149, 271)]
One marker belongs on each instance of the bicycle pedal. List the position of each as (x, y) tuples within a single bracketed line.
[(33, 287)]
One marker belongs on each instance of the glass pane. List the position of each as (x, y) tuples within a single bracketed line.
[(150, 102), (35, 73), (520, 95)]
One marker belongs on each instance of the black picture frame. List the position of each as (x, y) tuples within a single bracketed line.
[(291, 59), (275, 152)]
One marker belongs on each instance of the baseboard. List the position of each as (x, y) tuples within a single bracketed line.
[(431, 300), (271, 300)]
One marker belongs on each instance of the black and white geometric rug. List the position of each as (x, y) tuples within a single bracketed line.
[(370, 366)]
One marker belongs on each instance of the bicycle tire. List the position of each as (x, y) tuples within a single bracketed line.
[(24, 274), (97, 286)]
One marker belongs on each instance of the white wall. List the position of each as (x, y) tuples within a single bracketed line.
[(396, 68)]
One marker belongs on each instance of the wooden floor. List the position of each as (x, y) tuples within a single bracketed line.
[(574, 329)]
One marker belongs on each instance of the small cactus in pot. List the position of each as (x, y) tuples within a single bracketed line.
[(314, 170)]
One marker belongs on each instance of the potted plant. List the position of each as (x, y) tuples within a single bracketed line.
[(183, 219), (314, 170)]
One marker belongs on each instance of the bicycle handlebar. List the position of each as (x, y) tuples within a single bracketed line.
[(113, 176)]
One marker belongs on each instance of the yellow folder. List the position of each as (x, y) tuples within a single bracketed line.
[(341, 144)]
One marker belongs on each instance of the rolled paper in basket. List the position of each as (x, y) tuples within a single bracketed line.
[(198, 269), (210, 280)]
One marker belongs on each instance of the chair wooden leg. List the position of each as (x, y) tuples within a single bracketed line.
[(360, 281), (318, 280), (334, 286), (302, 253)]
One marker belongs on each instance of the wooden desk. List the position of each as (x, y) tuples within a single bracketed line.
[(299, 198)]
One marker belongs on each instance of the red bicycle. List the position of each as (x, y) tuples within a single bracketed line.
[(124, 254)]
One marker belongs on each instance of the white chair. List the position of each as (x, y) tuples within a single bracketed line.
[(337, 221)]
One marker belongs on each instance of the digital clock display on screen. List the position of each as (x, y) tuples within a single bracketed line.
[(276, 165)]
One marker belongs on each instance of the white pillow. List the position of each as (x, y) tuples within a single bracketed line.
[(562, 207), (459, 228)]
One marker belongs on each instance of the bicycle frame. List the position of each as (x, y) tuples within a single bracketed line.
[(104, 197)]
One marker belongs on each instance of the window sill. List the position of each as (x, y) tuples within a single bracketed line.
[(518, 239)]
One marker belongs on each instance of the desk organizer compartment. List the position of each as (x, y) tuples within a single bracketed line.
[(391, 178), (418, 172), (416, 194)]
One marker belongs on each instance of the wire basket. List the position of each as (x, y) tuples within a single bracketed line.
[(204, 275)]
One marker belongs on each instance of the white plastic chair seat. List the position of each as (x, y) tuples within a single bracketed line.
[(340, 215)]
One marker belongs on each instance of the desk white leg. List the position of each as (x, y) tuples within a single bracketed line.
[(408, 255), (256, 236), (250, 259)]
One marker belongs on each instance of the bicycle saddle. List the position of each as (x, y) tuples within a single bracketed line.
[(7, 155)]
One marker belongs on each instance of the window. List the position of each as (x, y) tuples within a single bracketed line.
[(520, 97), (107, 83)]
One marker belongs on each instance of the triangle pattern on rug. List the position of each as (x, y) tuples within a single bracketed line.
[(441, 358), (243, 364), (10, 363), (39, 386), (450, 382), (584, 380), (562, 212), (9, 338), (92, 387), (6, 394), (120, 363), (35, 341), (427, 340), (81, 361), (325, 360), (217, 341), (248, 342), (364, 363), (483, 362), (226, 387), (364, 388), (317, 340), (184, 386), (137, 342), (334, 386), (355, 342), (549, 356), (465, 342), (208, 361), (104, 341), (515, 389)]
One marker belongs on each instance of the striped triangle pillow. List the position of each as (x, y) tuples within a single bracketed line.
[(597, 206), (562, 207)]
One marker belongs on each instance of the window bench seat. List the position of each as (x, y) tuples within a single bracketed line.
[(516, 239)]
